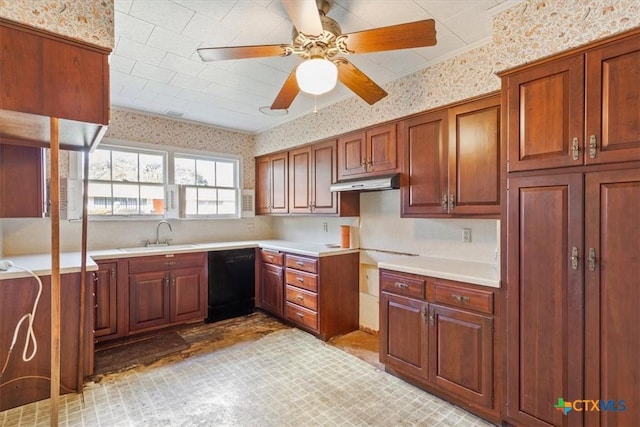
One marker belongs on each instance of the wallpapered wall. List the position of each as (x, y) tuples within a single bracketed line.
[(87, 20), (523, 33)]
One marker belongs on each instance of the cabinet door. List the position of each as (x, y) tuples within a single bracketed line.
[(403, 334), (324, 167), (352, 155), (106, 300), (613, 102), (545, 298), (148, 300), (263, 185), (279, 183), (424, 142), (474, 157), (21, 182), (188, 294), (545, 110), (382, 149), (461, 357), (612, 294), (271, 290), (300, 170)]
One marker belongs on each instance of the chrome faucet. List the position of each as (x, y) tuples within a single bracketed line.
[(166, 242)]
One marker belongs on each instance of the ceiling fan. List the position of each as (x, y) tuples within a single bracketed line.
[(318, 40)]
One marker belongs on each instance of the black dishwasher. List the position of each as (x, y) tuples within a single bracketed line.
[(231, 283)]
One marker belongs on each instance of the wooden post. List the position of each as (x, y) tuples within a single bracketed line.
[(54, 189), (82, 340)]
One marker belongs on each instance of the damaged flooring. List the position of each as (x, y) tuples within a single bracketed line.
[(252, 371)]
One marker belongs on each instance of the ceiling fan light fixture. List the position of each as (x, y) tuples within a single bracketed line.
[(317, 76)]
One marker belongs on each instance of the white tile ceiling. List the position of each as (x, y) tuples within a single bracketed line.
[(155, 67)]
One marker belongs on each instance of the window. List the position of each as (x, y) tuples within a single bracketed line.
[(210, 185), (126, 182)]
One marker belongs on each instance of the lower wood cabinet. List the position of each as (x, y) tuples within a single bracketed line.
[(105, 300), (167, 289), (317, 294), (439, 334), (21, 382), (270, 282)]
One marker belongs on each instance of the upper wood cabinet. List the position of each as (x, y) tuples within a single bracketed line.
[(272, 184), (368, 153), (53, 76), (451, 161), (545, 106), (21, 182), (312, 170)]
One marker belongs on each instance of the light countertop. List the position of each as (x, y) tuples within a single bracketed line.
[(464, 271), (40, 264), (70, 262), (477, 273)]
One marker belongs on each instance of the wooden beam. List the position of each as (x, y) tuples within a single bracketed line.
[(54, 189), (84, 332)]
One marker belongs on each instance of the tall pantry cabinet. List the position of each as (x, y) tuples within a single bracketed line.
[(572, 236)]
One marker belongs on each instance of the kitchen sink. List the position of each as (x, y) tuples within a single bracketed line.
[(158, 248)]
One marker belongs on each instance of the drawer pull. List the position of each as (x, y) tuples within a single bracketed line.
[(401, 285), (300, 315), (169, 263), (270, 257), (300, 298), (300, 263), (300, 279), (460, 298)]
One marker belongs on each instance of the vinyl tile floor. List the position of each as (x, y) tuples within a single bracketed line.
[(286, 378)]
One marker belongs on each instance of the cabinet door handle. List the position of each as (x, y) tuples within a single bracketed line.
[(401, 285), (113, 273), (424, 314), (432, 318), (452, 202), (592, 259), (95, 277), (173, 280), (593, 145), (460, 298), (300, 279), (166, 281), (445, 203), (300, 315), (300, 298), (575, 148), (574, 258), (300, 264)]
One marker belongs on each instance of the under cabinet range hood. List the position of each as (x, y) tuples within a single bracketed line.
[(384, 182)]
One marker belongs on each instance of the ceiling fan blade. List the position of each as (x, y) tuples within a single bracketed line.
[(359, 82), (304, 15), (287, 93), (242, 52), (402, 36)]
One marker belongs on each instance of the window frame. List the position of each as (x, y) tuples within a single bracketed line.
[(170, 154)]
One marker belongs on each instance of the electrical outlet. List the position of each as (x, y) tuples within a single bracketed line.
[(325, 227), (251, 227), (466, 235)]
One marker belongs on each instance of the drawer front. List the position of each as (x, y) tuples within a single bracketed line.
[(302, 280), (302, 316), (166, 262), (298, 262), (301, 297), (464, 297), (401, 284), (272, 257)]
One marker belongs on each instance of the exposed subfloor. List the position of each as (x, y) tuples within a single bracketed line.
[(252, 371)]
